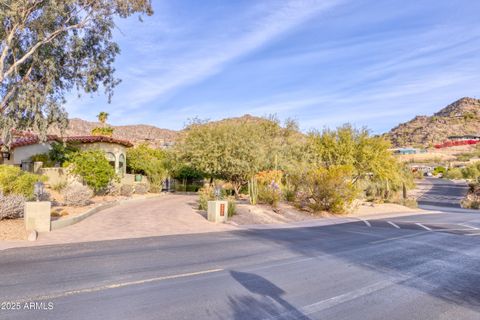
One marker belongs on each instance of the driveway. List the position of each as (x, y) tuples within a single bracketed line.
[(441, 192), (166, 215)]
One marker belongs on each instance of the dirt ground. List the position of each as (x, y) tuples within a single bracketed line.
[(12, 229), (262, 214)]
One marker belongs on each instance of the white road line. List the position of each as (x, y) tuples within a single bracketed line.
[(366, 222), (472, 234), (336, 300), (398, 238), (467, 226), (115, 286), (393, 224), (424, 227)]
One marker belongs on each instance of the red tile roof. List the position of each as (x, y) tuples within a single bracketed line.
[(93, 139), (27, 138)]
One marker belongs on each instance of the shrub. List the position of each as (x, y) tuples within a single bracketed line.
[(43, 157), (454, 173), (269, 186), (61, 152), (11, 206), (232, 206), (77, 194), (93, 167), (439, 170), (141, 188), (102, 131), (329, 189), (15, 181), (59, 186), (126, 190), (206, 194)]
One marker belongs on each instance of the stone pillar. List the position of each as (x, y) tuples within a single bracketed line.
[(37, 166), (217, 211), (37, 216)]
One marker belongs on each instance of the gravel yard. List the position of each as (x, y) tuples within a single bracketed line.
[(12, 229)]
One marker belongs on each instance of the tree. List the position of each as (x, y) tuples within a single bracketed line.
[(102, 117), (149, 161), (369, 156), (234, 149), (103, 130), (50, 47)]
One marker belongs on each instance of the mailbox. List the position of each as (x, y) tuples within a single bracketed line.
[(217, 211)]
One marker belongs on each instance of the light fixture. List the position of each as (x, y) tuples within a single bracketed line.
[(38, 189), (5, 154)]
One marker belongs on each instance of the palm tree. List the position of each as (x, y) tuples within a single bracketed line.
[(102, 117)]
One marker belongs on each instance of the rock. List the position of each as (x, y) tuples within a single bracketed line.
[(32, 235)]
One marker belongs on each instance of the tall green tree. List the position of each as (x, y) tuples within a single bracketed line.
[(102, 117), (369, 156), (235, 149), (151, 162), (50, 47)]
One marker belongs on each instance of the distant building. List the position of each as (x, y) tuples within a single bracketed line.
[(403, 151), (464, 137)]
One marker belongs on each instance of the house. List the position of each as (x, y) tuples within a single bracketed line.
[(404, 151), (464, 137), (26, 144)]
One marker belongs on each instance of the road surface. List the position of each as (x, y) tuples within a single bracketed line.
[(417, 267), (441, 192)]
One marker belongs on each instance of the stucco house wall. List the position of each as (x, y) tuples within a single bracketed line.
[(25, 152)]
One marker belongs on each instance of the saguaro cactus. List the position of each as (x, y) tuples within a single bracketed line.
[(253, 190)]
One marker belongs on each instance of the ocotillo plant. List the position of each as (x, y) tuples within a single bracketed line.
[(253, 190)]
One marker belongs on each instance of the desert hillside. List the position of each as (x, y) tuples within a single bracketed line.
[(156, 137), (459, 118)]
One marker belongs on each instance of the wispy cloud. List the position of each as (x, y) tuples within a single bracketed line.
[(216, 51)]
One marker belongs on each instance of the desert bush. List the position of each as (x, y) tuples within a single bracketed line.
[(232, 206), (269, 186), (15, 181), (126, 190), (93, 167), (59, 186), (43, 157), (454, 173), (472, 200), (77, 194), (328, 189), (206, 194), (11, 206), (439, 170), (141, 188)]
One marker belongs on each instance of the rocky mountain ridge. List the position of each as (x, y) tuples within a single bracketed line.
[(156, 137), (461, 117)]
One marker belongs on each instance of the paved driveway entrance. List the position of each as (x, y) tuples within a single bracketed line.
[(166, 215)]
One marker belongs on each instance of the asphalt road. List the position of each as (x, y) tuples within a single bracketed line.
[(417, 267), (441, 192)]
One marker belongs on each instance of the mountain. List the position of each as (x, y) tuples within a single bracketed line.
[(136, 134), (462, 117)]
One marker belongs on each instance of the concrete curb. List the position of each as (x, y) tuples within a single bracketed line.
[(62, 223)]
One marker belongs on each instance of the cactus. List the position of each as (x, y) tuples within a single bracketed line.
[(253, 190)]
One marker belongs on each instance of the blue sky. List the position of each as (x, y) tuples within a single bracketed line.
[(324, 63)]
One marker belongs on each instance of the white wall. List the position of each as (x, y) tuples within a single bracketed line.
[(25, 152)]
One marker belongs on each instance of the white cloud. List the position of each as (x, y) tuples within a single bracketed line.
[(213, 53)]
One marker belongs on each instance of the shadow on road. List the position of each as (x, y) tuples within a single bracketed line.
[(269, 304), (442, 266)]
